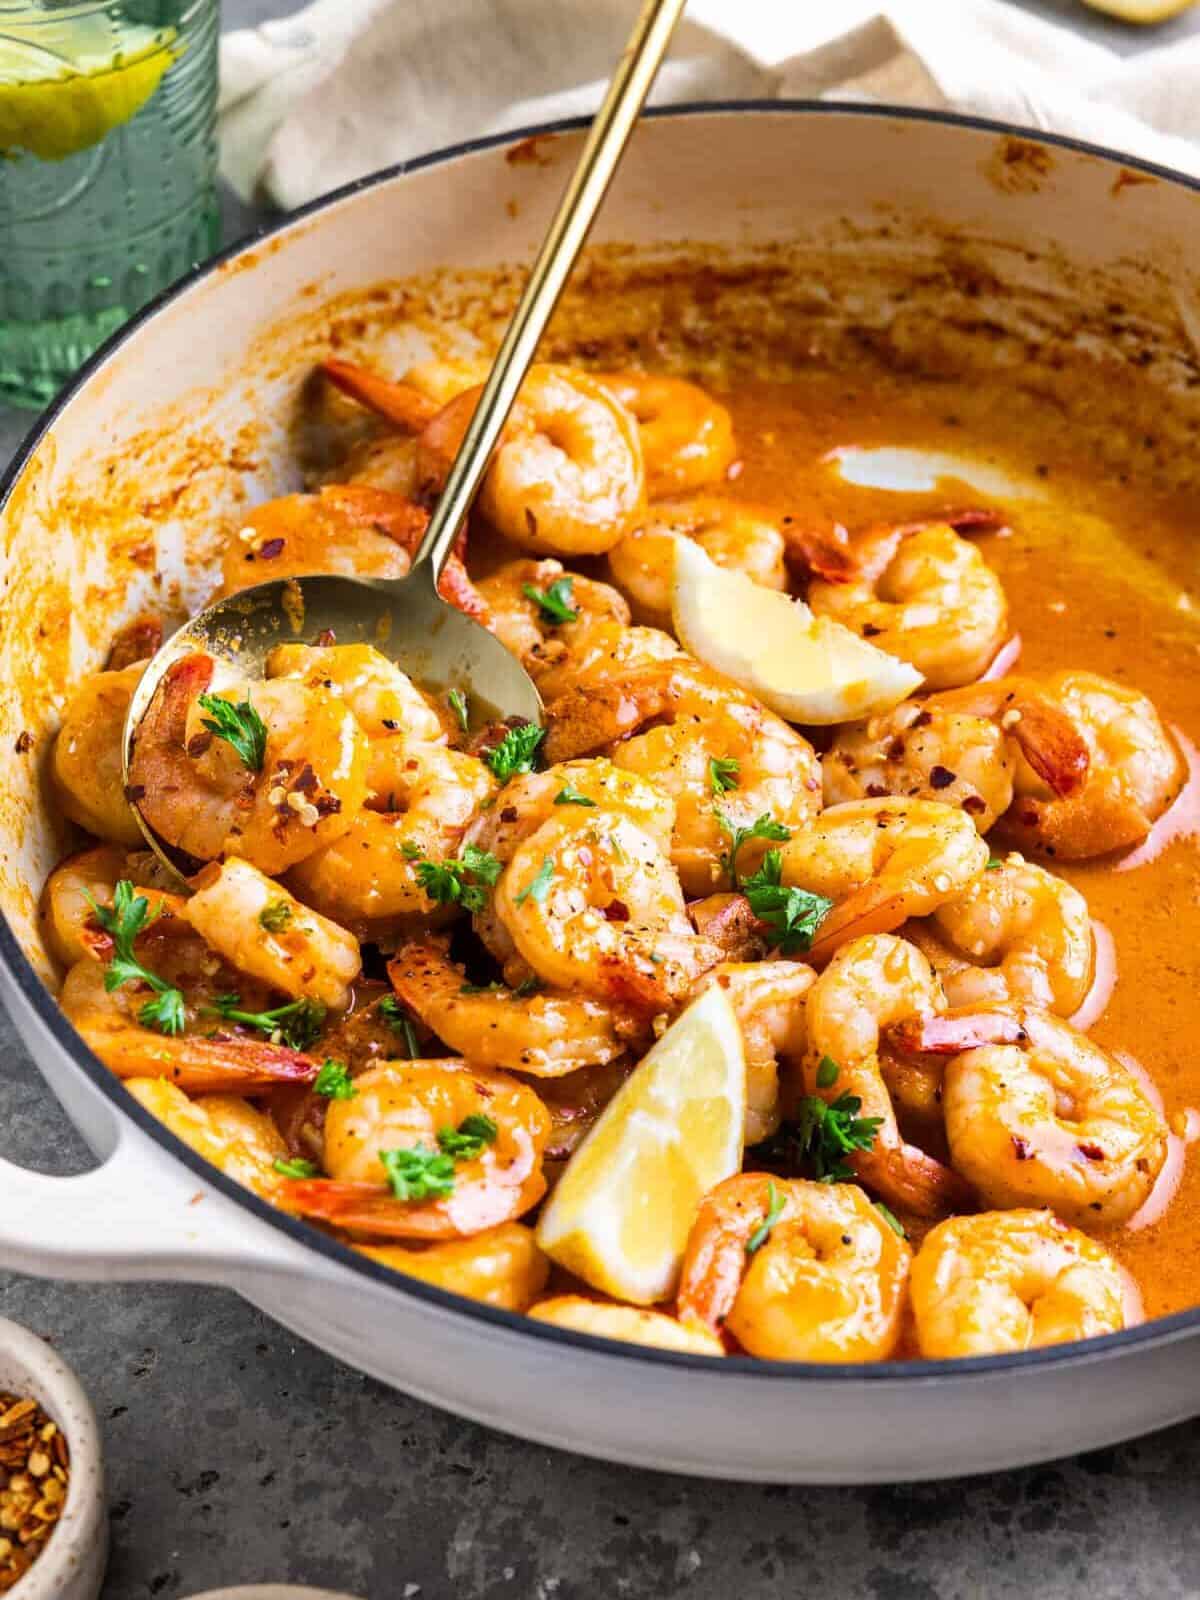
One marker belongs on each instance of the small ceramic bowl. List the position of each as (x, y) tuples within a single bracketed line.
[(71, 1567)]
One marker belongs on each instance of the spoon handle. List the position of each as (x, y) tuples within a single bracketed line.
[(606, 140)]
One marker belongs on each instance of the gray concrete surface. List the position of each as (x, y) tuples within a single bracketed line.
[(236, 1455)]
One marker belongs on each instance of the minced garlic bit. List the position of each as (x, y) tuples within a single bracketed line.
[(34, 1475)]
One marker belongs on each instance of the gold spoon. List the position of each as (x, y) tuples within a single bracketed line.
[(406, 618)]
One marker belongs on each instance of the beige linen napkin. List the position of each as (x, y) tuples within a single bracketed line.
[(345, 87)]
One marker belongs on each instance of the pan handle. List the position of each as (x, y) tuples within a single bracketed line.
[(139, 1215)]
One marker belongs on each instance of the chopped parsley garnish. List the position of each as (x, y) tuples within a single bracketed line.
[(239, 725), (764, 827), (554, 601), (570, 796), (398, 1020), (815, 1143), (457, 701), (723, 773), (295, 1168), (423, 1174), (827, 1072), (296, 1024), (516, 751), (275, 916), (334, 1081), (775, 1205), (791, 916), (467, 1141), (462, 880), (890, 1217), (128, 916), (527, 986), (419, 1173), (829, 1133), (538, 886), (994, 863)]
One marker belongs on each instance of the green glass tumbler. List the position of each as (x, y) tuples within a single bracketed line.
[(108, 162)]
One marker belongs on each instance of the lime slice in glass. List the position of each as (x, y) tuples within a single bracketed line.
[(65, 85)]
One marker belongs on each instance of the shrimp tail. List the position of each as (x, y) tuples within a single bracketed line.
[(1052, 745), (952, 1032), (913, 1181), (820, 554), (398, 403)]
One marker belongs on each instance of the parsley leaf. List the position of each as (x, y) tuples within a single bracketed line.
[(890, 1217), (554, 601), (419, 1173), (828, 1133), (450, 882), (128, 916), (994, 863), (275, 916), (791, 915), (398, 1020), (723, 773), (515, 752), (763, 827), (775, 1205), (334, 1081), (239, 725), (296, 1024), (538, 886), (296, 1168), (570, 796), (468, 1140), (827, 1072), (529, 985), (457, 701)]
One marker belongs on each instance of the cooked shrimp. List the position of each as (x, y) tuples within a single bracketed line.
[(241, 1142), (1016, 933), (1048, 1118), (871, 985), (66, 907), (768, 1001), (197, 792), (960, 748), (501, 1267), (881, 862), (567, 478), (384, 700), (1134, 773), (924, 594), (1012, 1280), (537, 636), (727, 921), (545, 1034), (401, 402), (825, 1284), (686, 436), (736, 536), (200, 1060), (86, 767), (601, 650), (605, 1319), (361, 530), (414, 1105), (427, 795), (264, 931), (703, 725), (596, 906)]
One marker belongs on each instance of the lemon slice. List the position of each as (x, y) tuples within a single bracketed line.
[(1141, 10), (63, 89), (809, 669), (620, 1216)]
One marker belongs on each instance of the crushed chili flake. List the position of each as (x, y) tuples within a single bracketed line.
[(24, 742), (35, 1471)]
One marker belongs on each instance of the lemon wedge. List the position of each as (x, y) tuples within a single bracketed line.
[(1141, 10), (808, 669), (620, 1216), (64, 88)]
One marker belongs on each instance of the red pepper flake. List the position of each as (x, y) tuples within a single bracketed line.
[(895, 751), (616, 911), (941, 777), (24, 742), (870, 631), (974, 805), (922, 719), (1090, 1152), (1021, 1148), (269, 549)]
